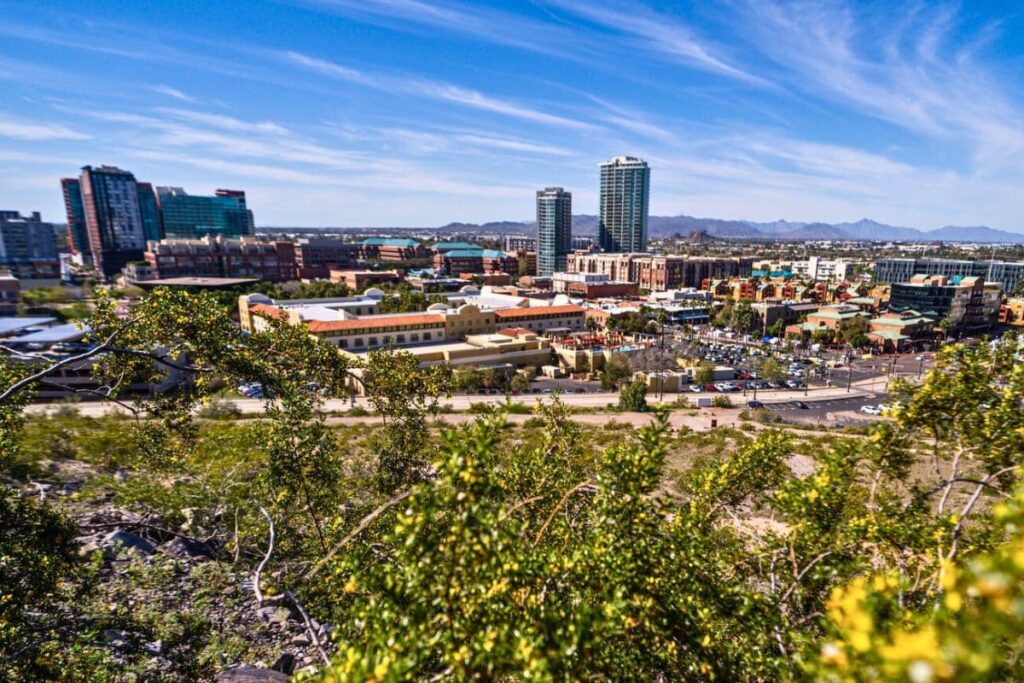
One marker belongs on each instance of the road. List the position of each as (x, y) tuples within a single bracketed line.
[(594, 400)]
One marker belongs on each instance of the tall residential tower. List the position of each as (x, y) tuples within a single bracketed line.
[(625, 190), (554, 229), (113, 217)]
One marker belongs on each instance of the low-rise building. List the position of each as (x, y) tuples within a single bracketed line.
[(316, 257), (895, 331), (591, 285), (218, 256), (28, 247), (357, 280), (969, 303), (391, 249), (457, 261)]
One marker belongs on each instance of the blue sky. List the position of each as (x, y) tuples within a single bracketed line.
[(420, 112)]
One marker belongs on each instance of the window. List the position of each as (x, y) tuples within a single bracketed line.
[(414, 337), (426, 336), (358, 341), (401, 339), (373, 341), (343, 344)]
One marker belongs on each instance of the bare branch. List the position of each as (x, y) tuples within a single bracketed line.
[(365, 522), (266, 558), (558, 506)]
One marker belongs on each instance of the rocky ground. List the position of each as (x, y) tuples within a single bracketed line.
[(170, 607)]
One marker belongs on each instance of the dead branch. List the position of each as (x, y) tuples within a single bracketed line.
[(365, 522)]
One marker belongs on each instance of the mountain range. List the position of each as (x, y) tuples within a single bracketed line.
[(864, 229)]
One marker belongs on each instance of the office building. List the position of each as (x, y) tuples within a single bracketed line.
[(187, 216), (625, 192), (968, 303), (1010, 275), (392, 250), (554, 229), (316, 257), (149, 211), (113, 217), (78, 233), (455, 262), (27, 246)]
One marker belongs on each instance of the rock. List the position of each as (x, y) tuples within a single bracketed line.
[(285, 664), (251, 674), (274, 615), (120, 475), (131, 542), (154, 648), (301, 640), (185, 548), (116, 638)]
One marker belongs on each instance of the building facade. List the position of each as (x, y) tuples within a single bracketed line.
[(315, 258), (625, 193), (28, 247), (78, 232), (554, 229), (221, 257), (113, 217), (1009, 274), (187, 216), (659, 273), (968, 303), (482, 261)]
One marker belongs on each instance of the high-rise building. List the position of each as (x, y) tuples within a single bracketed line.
[(113, 217), (27, 246), (625, 192), (554, 229), (149, 210), (186, 216), (78, 233)]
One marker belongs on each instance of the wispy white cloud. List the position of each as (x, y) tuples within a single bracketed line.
[(472, 19), (903, 69), (437, 90), (174, 93), (20, 129), (661, 33)]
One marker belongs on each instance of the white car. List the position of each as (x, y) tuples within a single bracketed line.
[(871, 410)]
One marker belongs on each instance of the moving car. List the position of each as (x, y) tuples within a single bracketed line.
[(801, 405), (871, 410), (755, 404)]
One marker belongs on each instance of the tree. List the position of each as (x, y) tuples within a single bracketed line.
[(854, 331), (704, 373), (616, 369), (633, 397), (520, 383), (770, 369), (404, 394)]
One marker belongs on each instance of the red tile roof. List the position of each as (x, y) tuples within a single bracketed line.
[(375, 322), (534, 311), (268, 311)]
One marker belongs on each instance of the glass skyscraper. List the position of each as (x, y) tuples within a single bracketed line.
[(113, 218), (188, 216), (150, 213), (78, 233), (554, 229), (625, 192)]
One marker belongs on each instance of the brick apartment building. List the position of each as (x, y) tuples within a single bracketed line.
[(220, 257), (315, 258)]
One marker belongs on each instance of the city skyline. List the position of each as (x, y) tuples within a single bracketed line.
[(756, 111)]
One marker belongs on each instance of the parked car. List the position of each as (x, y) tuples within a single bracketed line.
[(871, 410), (696, 388), (755, 404), (801, 405)]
